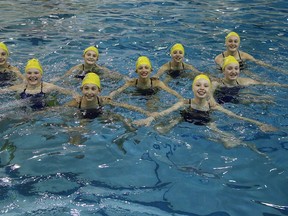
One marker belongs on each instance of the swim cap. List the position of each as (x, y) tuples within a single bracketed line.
[(91, 48), (4, 47), (34, 63), (143, 60), (91, 78), (232, 34), (201, 76), (177, 46), (228, 60)]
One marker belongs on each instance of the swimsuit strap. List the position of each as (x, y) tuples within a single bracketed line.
[(42, 88), (151, 82), (170, 66), (98, 100), (80, 102), (223, 55), (190, 102), (83, 67), (239, 55), (136, 82)]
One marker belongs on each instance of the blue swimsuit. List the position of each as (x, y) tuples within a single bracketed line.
[(37, 100), (197, 117), (82, 73), (145, 92), (227, 94), (91, 113), (7, 77), (175, 73)]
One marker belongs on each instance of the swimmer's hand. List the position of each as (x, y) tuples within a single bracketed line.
[(144, 122), (267, 128)]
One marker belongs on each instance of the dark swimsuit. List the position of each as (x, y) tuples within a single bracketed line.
[(242, 65), (197, 117), (37, 100), (82, 73), (227, 94), (175, 73), (91, 113), (145, 92), (7, 77)]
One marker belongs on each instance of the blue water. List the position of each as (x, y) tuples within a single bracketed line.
[(114, 171)]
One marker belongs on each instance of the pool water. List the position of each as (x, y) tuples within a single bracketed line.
[(54, 163)]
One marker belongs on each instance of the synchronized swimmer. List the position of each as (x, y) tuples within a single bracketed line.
[(196, 110)]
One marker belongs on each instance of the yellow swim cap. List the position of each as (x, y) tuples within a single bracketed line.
[(34, 63), (91, 48), (91, 78), (228, 60), (201, 76), (232, 34), (4, 47), (177, 46), (143, 60)]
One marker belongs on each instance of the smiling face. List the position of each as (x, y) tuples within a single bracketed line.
[(177, 56), (232, 43), (90, 57), (33, 76), (231, 71), (201, 88), (90, 92), (143, 70), (3, 57)]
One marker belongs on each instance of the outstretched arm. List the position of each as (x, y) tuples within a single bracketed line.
[(108, 100), (112, 74), (121, 89), (264, 127), (156, 115), (262, 63), (162, 85)]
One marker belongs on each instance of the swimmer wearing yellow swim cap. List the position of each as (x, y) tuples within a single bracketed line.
[(34, 64), (91, 78)]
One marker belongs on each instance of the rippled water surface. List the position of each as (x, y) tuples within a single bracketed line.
[(115, 171)]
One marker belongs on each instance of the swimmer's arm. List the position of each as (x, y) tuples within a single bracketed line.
[(264, 64), (162, 70), (18, 74), (14, 88), (219, 60), (169, 90), (73, 103), (191, 67), (147, 121), (108, 100), (112, 74), (264, 127), (121, 89), (52, 87)]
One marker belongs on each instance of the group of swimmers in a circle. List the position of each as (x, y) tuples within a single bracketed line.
[(209, 92)]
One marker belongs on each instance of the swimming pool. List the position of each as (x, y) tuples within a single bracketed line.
[(112, 171)]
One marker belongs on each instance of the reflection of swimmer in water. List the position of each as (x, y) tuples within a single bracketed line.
[(144, 84), (232, 42), (34, 89), (8, 73), (176, 67), (90, 56), (227, 89), (197, 111)]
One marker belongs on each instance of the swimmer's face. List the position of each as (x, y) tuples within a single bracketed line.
[(177, 56), (143, 71), (201, 88), (90, 91), (3, 56), (90, 57), (232, 43), (231, 71), (33, 76)]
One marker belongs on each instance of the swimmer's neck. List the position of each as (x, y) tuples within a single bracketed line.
[(230, 82), (144, 82), (4, 66), (89, 104), (89, 66), (200, 102), (232, 53), (175, 64)]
